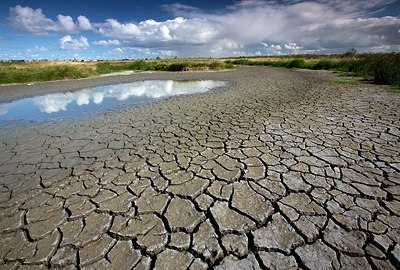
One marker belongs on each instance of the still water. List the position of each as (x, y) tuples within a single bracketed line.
[(91, 100)]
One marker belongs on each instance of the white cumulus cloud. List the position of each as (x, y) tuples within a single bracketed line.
[(118, 50), (31, 20), (291, 46), (276, 47), (84, 23), (272, 49), (65, 24), (279, 26), (109, 42), (326, 24), (69, 43), (151, 32)]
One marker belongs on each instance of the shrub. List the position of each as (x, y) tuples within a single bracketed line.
[(161, 67), (228, 65), (296, 63), (104, 67), (382, 68), (139, 65), (387, 72), (324, 64), (241, 62), (177, 67), (350, 52), (216, 65), (278, 64)]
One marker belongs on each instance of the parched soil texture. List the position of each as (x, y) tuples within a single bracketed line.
[(278, 169)]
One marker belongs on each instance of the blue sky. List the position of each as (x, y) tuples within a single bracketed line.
[(88, 29)]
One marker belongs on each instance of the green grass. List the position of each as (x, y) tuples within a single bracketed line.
[(159, 65), (13, 74), (345, 74), (46, 71), (397, 91), (346, 82), (381, 68)]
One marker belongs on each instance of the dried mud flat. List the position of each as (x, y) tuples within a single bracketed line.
[(279, 169)]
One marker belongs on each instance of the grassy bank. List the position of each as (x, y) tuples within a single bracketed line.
[(58, 70), (381, 68), (46, 71)]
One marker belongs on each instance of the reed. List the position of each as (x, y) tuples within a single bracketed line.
[(381, 68)]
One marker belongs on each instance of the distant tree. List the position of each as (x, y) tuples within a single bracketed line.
[(350, 52), (158, 58)]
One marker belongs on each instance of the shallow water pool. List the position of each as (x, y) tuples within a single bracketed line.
[(92, 100)]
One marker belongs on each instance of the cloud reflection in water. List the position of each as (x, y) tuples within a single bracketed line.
[(111, 95)]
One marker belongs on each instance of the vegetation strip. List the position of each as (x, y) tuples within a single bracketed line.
[(346, 82), (397, 91), (381, 68)]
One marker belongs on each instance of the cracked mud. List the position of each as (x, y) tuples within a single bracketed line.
[(277, 170)]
